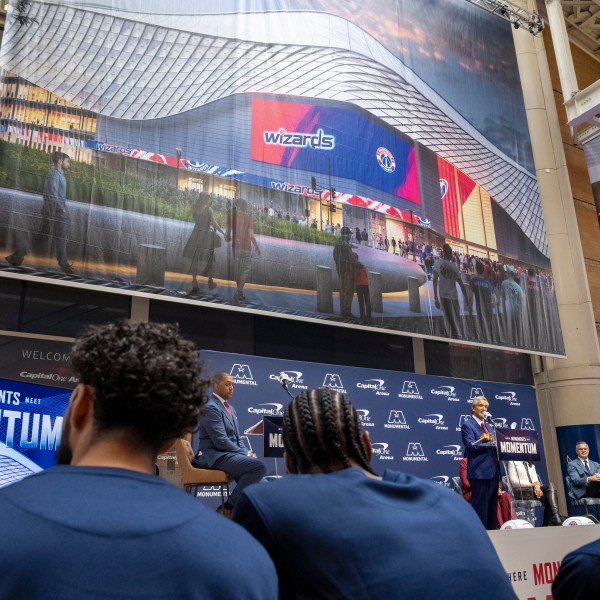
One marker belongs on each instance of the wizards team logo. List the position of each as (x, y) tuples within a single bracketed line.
[(386, 160), (443, 187)]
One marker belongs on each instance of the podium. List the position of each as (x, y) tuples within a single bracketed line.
[(521, 445)]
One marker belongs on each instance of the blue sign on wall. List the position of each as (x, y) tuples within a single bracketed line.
[(31, 419), (414, 421)]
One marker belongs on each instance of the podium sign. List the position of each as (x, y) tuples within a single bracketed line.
[(518, 444), (272, 439)]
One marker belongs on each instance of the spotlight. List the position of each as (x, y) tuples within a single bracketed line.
[(513, 13)]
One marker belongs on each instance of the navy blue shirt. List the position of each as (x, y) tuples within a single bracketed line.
[(579, 575), (92, 532), (348, 536)]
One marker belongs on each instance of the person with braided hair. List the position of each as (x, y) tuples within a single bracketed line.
[(336, 529)]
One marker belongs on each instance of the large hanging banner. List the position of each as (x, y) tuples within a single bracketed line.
[(414, 421), (298, 157)]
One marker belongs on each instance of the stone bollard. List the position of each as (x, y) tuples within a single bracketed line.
[(414, 298), (376, 291), (151, 265), (324, 289)]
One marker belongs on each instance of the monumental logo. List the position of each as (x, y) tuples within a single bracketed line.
[(386, 160), (209, 491), (270, 409), (294, 379), (461, 421), (381, 450), (527, 423), (414, 453), (376, 385), (396, 420), (510, 397), (410, 391), (475, 392), (453, 450), (446, 391), (242, 375), (436, 420), (365, 417), (334, 382)]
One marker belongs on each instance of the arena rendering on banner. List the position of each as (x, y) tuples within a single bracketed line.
[(230, 155)]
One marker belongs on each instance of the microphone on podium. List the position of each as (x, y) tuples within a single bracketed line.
[(283, 380), (487, 417)]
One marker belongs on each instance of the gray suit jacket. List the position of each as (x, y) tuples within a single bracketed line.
[(578, 475)]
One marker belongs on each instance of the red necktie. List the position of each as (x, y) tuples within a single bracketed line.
[(226, 404), (485, 429)]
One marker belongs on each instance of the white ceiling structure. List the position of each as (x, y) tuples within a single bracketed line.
[(582, 18)]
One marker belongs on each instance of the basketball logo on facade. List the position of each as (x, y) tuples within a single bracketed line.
[(443, 187), (386, 160)]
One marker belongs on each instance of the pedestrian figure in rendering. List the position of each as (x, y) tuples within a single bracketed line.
[(342, 256), (445, 278), (240, 232), (200, 247), (54, 215), (361, 284)]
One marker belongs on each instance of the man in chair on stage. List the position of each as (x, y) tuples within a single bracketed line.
[(220, 444), (482, 468), (584, 473)]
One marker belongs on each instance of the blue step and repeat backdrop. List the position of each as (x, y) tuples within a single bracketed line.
[(414, 421)]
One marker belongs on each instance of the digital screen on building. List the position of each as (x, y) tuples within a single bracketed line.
[(329, 139)]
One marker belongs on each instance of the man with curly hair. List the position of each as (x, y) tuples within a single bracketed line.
[(337, 529), (101, 524)]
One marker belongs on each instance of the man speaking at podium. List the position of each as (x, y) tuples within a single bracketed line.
[(220, 444), (482, 467)]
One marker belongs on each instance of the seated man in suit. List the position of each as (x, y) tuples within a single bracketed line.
[(220, 444), (336, 529), (584, 473)]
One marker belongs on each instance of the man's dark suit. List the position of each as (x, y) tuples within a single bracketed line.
[(578, 475), (222, 448), (482, 472)]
